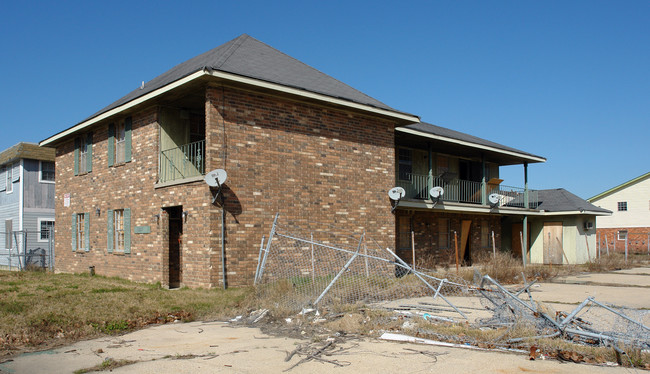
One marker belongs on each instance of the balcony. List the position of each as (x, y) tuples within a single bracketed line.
[(182, 162), (462, 191)]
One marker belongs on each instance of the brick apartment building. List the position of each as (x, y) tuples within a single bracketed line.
[(131, 199)]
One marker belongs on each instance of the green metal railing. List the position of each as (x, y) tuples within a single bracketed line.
[(463, 191), (182, 162)]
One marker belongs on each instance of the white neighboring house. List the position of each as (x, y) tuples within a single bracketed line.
[(27, 177), (630, 220)]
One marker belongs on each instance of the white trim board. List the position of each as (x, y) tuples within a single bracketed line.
[(470, 144)]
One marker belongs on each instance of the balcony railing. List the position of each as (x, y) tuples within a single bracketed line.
[(463, 191), (182, 162)]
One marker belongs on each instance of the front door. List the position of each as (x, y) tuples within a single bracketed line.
[(553, 243), (175, 245)]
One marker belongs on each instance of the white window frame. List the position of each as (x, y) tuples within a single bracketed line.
[(81, 232), (40, 173), (118, 230), (623, 236), (9, 176), (120, 143), (40, 229)]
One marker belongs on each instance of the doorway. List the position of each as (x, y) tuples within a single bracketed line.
[(175, 215)]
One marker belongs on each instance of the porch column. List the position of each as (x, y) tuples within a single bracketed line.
[(430, 177), (526, 205), (524, 245), (483, 181)]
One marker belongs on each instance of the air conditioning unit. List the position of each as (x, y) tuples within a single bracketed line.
[(589, 225)]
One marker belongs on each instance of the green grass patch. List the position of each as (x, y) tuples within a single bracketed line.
[(46, 309)]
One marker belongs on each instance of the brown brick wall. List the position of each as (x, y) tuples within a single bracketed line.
[(428, 253), (317, 166), (637, 239)]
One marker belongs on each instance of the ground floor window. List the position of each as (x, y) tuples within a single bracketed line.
[(443, 233), (45, 226), (622, 235), (80, 234), (119, 230)]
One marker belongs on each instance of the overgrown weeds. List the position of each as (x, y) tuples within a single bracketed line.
[(40, 309)]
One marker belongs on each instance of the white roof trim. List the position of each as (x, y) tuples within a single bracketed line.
[(311, 95), (122, 107), (231, 77), (470, 144), (576, 212)]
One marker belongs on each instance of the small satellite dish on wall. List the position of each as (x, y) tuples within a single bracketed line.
[(436, 192), (494, 199), (396, 193), (216, 177)]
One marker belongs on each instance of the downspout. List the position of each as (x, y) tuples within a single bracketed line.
[(223, 244), (483, 185)]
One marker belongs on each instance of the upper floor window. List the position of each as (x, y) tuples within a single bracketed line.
[(119, 142), (83, 154), (9, 179), (405, 163), (46, 172), (622, 206)]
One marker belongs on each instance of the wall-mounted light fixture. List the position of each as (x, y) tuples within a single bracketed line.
[(156, 218), (98, 212), (185, 215)]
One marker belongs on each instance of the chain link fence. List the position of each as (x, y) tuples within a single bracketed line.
[(27, 250)]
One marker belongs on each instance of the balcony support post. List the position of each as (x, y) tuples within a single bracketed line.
[(483, 181), (526, 205), (430, 177)]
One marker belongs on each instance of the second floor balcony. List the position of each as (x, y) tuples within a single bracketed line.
[(456, 190), (182, 162)]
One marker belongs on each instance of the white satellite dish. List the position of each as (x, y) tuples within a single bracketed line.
[(396, 193), (494, 198), (216, 177), (436, 192)]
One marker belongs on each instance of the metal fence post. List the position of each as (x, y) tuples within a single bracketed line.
[(626, 236), (268, 246)]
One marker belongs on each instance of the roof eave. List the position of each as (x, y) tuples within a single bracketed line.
[(619, 187), (529, 158), (402, 117)]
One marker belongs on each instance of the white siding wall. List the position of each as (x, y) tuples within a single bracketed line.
[(637, 197)]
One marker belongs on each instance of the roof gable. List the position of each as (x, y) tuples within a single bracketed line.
[(620, 187)]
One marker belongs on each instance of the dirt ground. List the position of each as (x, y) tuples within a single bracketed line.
[(220, 347)]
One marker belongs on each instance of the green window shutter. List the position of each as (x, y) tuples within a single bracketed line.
[(111, 144), (127, 139), (74, 232), (89, 156), (87, 231), (127, 230), (111, 233), (77, 144)]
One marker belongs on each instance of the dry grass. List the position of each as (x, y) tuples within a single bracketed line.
[(39, 309)]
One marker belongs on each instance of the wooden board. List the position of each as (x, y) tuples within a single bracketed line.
[(464, 235), (553, 243)]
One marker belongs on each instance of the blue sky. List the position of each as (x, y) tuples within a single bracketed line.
[(566, 80)]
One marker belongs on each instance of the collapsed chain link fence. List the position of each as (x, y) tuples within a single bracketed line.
[(307, 269), (300, 269)]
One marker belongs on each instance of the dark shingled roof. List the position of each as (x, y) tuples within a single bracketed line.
[(26, 150), (248, 57), (457, 135), (561, 200)]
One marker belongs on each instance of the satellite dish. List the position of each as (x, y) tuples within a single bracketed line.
[(396, 193), (216, 177), (494, 199), (436, 192)]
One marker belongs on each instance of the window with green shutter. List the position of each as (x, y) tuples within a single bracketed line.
[(119, 142), (81, 231), (83, 154), (119, 231)]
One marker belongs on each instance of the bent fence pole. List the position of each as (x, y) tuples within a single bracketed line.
[(347, 265), (268, 246)]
